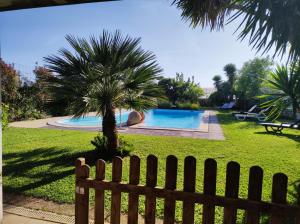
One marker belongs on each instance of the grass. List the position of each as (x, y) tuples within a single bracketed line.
[(40, 162)]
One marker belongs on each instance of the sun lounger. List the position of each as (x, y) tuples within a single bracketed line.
[(278, 127), (246, 112), (261, 116), (227, 106)]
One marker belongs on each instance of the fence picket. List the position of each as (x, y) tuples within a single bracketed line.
[(231, 191), (209, 188), (133, 198), (116, 194), (171, 180), (99, 194), (82, 172), (253, 206), (279, 192), (189, 184), (254, 193), (151, 181)]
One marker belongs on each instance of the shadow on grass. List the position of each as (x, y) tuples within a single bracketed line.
[(294, 137), (43, 165)]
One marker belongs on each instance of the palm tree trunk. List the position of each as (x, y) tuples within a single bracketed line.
[(109, 128)]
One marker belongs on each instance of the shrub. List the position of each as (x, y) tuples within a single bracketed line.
[(4, 115), (165, 105), (188, 106), (105, 153), (195, 106)]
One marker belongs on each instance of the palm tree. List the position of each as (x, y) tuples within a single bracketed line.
[(230, 71), (264, 23), (217, 82), (284, 87), (104, 74)]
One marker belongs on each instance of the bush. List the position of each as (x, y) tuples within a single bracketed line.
[(4, 115), (188, 106), (165, 105), (105, 153)]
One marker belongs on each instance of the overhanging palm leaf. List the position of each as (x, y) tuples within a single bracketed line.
[(103, 74), (265, 23), (284, 92)]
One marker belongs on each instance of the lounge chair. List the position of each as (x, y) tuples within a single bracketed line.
[(251, 110), (261, 116), (230, 105), (278, 127), (227, 105)]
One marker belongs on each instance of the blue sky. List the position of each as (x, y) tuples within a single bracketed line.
[(29, 35)]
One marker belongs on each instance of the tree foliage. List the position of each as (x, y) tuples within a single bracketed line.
[(250, 80), (217, 82), (20, 97), (177, 90), (223, 93), (10, 83), (264, 23), (230, 72), (283, 90), (105, 73)]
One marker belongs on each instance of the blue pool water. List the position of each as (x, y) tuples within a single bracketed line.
[(162, 118), (91, 120), (165, 118)]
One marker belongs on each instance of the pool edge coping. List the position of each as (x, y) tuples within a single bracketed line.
[(203, 127)]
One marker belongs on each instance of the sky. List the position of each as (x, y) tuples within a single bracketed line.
[(29, 35)]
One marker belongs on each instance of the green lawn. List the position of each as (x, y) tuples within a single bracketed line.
[(39, 162)]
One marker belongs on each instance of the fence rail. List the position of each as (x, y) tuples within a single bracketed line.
[(277, 210)]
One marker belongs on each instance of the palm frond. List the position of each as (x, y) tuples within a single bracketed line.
[(111, 71)]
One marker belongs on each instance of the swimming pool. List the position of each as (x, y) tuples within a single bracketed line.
[(159, 118)]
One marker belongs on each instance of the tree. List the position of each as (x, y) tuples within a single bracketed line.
[(264, 23), (217, 82), (104, 74), (284, 86), (170, 88), (178, 90), (249, 83), (46, 100), (230, 71), (10, 83), (223, 91)]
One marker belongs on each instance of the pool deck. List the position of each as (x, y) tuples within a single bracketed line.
[(210, 127)]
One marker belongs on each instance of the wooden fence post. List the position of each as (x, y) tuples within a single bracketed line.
[(254, 193), (82, 171), (231, 191), (189, 184), (133, 198), (170, 184), (209, 188), (99, 194), (151, 181), (116, 194), (279, 192)]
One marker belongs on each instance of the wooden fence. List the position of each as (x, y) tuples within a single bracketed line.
[(277, 210)]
